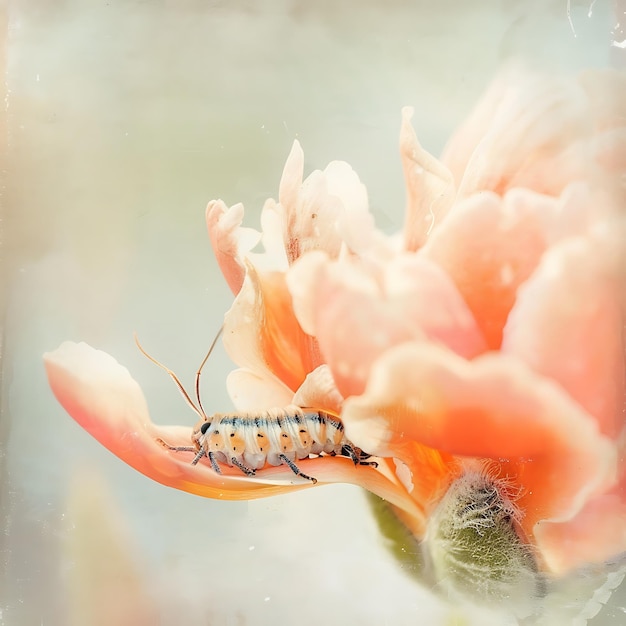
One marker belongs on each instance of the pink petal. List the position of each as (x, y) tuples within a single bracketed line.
[(492, 407), (595, 535), (311, 224), (356, 314), (462, 144), (430, 186), (319, 391), (343, 183), (262, 334), (103, 398), (302, 280), (230, 241), (568, 324), (361, 237), (311, 217), (528, 125), (609, 151), (274, 255), (489, 246), (606, 91), (293, 174), (251, 391)]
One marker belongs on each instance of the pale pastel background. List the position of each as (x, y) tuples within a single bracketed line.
[(123, 119)]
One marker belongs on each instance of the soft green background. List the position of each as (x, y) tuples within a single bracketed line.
[(124, 119)]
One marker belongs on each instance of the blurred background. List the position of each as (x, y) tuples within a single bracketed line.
[(123, 119)]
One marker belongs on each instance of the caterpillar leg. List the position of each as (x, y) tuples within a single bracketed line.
[(248, 471), (295, 469), (350, 452), (198, 456), (214, 465), (199, 453), (176, 448), (368, 463), (363, 456), (358, 456)]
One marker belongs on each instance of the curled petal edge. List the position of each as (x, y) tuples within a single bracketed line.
[(231, 242), (491, 408), (101, 396)]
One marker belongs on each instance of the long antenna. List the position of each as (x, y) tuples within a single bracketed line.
[(199, 372), (173, 376), (199, 410)]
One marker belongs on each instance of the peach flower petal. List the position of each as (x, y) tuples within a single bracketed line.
[(606, 91), (344, 183), (252, 392), (230, 241), (531, 133), (494, 408), (567, 325), (311, 214), (262, 334), (104, 399), (274, 255), (595, 535), (411, 299), (489, 246), (293, 173), (540, 132), (319, 391), (609, 152), (302, 280), (458, 151), (429, 183)]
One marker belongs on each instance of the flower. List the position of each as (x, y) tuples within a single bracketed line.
[(479, 354)]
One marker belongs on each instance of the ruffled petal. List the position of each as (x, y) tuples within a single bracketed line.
[(319, 391), (595, 535), (251, 391), (302, 280), (104, 399), (492, 408), (274, 257), (343, 183), (262, 334), (458, 151), (230, 241), (429, 183), (609, 152), (356, 314), (312, 212), (108, 403), (489, 246), (293, 173), (606, 92), (567, 325), (531, 132)]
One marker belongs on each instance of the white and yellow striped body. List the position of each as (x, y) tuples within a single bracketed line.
[(276, 436), (257, 439)]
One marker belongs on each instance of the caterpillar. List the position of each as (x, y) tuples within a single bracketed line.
[(249, 441)]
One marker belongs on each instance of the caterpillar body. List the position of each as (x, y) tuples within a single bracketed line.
[(249, 441)]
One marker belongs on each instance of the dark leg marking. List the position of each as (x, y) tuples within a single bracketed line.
[(248, 471), (369, 463), (176, 448), (349, 451), (295, 469), (198, 456), (214, 465)]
